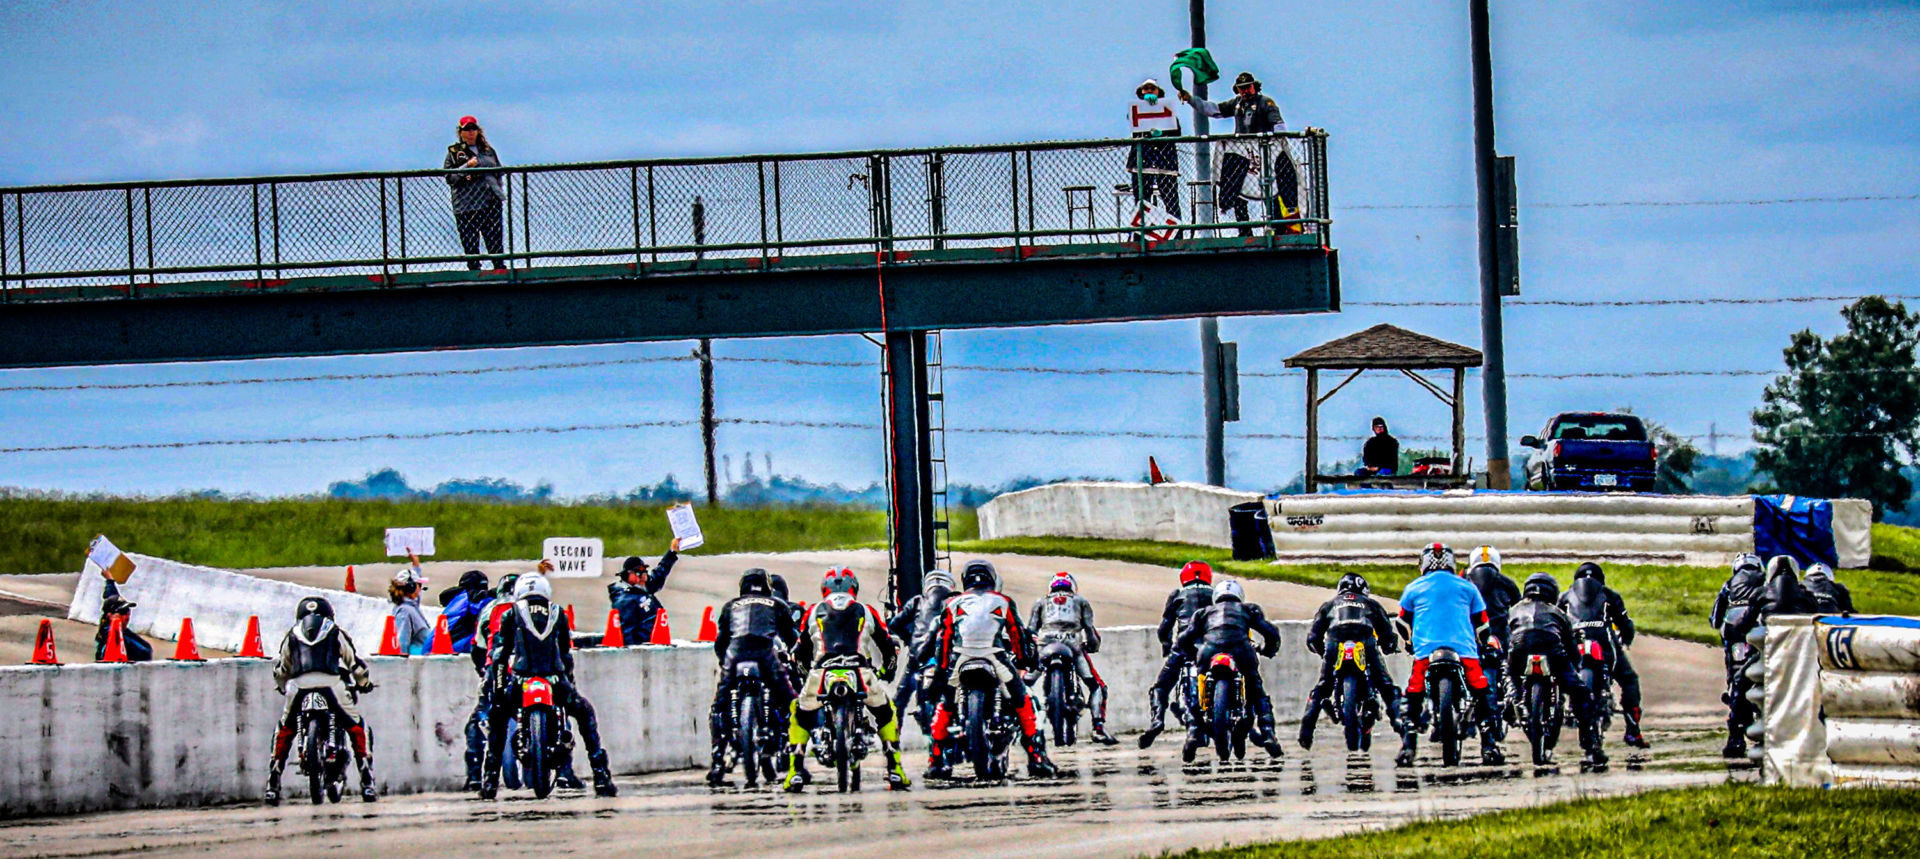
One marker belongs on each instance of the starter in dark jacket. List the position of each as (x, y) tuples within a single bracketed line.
[(637, 604), (1735, 610)]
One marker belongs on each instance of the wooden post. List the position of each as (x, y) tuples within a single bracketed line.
[(1313, 430), (1460, 422)]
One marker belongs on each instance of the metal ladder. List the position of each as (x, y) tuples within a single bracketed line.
[(937, 451)]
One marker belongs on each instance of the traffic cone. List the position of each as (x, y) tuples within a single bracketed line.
[(43, 645), (1154, 477), (708, 631), (186, 650), (570, 623), (389, 641), (350, 588), (250, 643), (662, 634), (116, 641), (613, 638), (442, 640)]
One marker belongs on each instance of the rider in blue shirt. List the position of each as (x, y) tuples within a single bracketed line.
[(1444, 611)]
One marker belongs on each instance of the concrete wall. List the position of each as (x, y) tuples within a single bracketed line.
[(1842, 701), (1169, 512), (90, 737)]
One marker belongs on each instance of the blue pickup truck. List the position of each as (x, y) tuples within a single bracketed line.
[(1591, 451)]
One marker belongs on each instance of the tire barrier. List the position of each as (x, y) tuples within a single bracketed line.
[(1842, 701), (1169, 512)]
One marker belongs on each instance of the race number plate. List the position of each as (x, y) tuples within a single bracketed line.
[(1606, 480)]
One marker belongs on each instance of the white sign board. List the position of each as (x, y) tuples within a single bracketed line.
[(573, 557), (680, 518), (400, 541)]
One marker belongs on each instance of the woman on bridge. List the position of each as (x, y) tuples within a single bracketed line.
[(476, 196)]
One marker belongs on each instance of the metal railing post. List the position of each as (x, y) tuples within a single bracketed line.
[(633, 181), (526, 217), (5, 292), (259, 270), (148, 208), (779, 225), (766, 254), (1032, 224), (1013, 198), (1269, 188), (937, 198), (273, 205), (386, 270), (653, 225), (400, 214), (131, 282)]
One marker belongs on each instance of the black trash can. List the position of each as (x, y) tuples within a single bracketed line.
[(1252, 537)]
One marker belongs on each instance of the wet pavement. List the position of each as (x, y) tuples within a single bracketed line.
[(1117, 801)]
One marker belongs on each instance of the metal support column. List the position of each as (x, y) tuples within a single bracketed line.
[(1493, 381), (911, 501), (707, 422), (1313, 431), (1209, 326)]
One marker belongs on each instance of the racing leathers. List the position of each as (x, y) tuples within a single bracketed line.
[(1829, 596), (1499, 593), (1226, 628), (915, 624), (1735, 613), (535, 640), (316, 654), (1538, 628), (1349, 617), (1444, 611), (1599, 614), (1182, 604), (982, 625), (1065, 619), (753, 630), (840, 632)]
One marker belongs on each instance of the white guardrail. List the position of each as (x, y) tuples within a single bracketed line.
[(1841, 701)]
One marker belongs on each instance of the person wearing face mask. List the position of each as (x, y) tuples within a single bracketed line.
[(1154, 166)]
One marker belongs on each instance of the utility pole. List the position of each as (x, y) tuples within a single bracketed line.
[(706, 417), (1209, 326), (1492, 341)]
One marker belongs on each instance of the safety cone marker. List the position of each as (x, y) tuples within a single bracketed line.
[(570, 623), (43, 645), (250, 647), (389, 641), (442, 640), (708, 631), (350, 588), (1154, 477), (661, 633), (116, 640), (186, 650), (613, 638)]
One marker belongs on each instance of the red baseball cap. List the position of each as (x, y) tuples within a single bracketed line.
[(466, 121)]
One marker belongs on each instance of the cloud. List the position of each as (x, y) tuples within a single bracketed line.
[(178, 133)]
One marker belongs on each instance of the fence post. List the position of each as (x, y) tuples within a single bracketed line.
[(386, 271), (131, 282), (633, 180), (779, 225), (1031, 223), (6, 293), (507, 227), (937, 197), (766, 255), (526, 217), (148, 209), (699, 228), (1268, 187), (259, 270), (1013, 197), (400, 212), (273, 205)]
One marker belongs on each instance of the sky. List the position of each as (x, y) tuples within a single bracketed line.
[(1601, 101)]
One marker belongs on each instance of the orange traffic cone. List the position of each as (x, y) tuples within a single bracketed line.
[(116, 640), (389, 641), (570, 624), (1154, 477), (442, 640), (708, 631), (350, 588), (186, 650), (661, 633), (613, 638), (250, 643), (43, 645)]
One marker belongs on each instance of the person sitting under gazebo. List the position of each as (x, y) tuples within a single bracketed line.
[(1380, 457)]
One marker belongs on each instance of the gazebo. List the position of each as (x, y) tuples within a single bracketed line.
[(1386, 347)]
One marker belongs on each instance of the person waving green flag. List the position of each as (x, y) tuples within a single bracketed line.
[(1197, 59)]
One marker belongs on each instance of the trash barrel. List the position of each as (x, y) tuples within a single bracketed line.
[(1252, 538)]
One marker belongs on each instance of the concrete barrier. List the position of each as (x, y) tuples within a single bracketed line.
[(1169, 512), (91, 737), (1842, 701)]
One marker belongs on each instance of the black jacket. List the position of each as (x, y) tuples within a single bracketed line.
[(1500, 594), (754, 621), (1351, 617), (638, 607), (1784, 594), (1182, 604), (1229, 623), (1532, 624), (1589, 602), (1828, 595), (534, 640), (1734, 610), (1382, 450)]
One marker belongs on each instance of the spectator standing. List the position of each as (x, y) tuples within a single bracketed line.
[(410, 627), (1155, 165), (464, 606), (476, 196), (1240, 160), (1380, 456), (112, 605)]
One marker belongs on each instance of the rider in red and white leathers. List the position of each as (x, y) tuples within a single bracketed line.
[(982, 623), (1064, 616)]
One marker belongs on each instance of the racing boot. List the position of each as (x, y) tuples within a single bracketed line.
[(1308, 718), (717, 773), (474, 758), (363, 757), (888, 718), (273, 780), (602, 773), (937, 766), (1391, 701), (1038, 764), (566, 778), (797, 777), (1590, 743), (1157, 716), (490, 784), (1412, 723), (1490, 730), (1264, 731), (1100, 734), (368, 793), (1735, 749), (1195, 742), (1633, 737)]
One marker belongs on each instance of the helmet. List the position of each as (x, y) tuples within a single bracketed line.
[(1353, 583), (1196, 571), (1747, 561), (1783, 563), (1062, 582), (1436, 556), (936, 580), (778, 584), (311, 606), (1819, 571), (533, 585), (1543, 587), (978, 575), (755, 581), (1230, 590), (507, 582), (839, 581), (1484, 556), (1590, 570)]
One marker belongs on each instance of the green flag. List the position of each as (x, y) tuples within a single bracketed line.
[(1197, 59)]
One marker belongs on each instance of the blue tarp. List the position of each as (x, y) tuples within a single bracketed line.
[(1795, 526)]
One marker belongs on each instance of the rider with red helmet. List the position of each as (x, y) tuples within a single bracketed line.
[(840, 627), (1193, 596)]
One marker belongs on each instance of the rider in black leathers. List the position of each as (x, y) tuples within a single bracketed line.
[(1227, 626), (755, 627), (1829, 596), (1593, 605), (1352, 615), (1735, 612), (914, 624), (535, 640), (1500, 593), (1194, 595), (1536, 626)]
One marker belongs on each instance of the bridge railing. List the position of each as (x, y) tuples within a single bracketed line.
[(779, 210)]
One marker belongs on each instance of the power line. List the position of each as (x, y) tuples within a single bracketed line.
[(347, 377), (1638, 204), (1635, 302)]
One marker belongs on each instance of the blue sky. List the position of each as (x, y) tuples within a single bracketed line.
[(1601, 101)]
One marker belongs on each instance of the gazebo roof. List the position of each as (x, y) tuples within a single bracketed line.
[(1389, 347)]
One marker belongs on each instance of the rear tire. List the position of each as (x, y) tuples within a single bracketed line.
[(747, 736), (1057, 713), (1540, 721), (1220, 718), (844, 724), (1352, 716), (539, 770), (979, 746), (1446, 701), (312, 759)]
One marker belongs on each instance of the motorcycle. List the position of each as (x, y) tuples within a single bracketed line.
[(988, 719), (323, 745), (755, 741), (544, 739), (1065, 700), (1452, 709), (1541, 708), (1353, 701), (1228, 720), (1595, 670), (842, 741)]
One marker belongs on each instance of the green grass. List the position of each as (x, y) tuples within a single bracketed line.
[(1896, 548), (1667, 601), (1726, 822), (40, 535)]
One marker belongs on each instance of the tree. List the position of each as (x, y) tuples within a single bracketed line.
[(1674, 473), (1835, 424)]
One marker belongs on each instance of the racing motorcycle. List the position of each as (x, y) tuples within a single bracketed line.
[(323, 745), (754, 745), (987, 716), (1065, 701), (1452, 709), (842, 741), (1541, 707), (1595, 670), (1353, 701), (544, 739), (1227, 719)]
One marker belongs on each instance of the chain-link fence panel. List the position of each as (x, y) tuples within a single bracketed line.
[(72, 231), (318, 222)]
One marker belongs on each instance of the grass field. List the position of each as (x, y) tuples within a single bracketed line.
[(1669, 601), (40, 535), (1728, 822), (1896, 548)]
